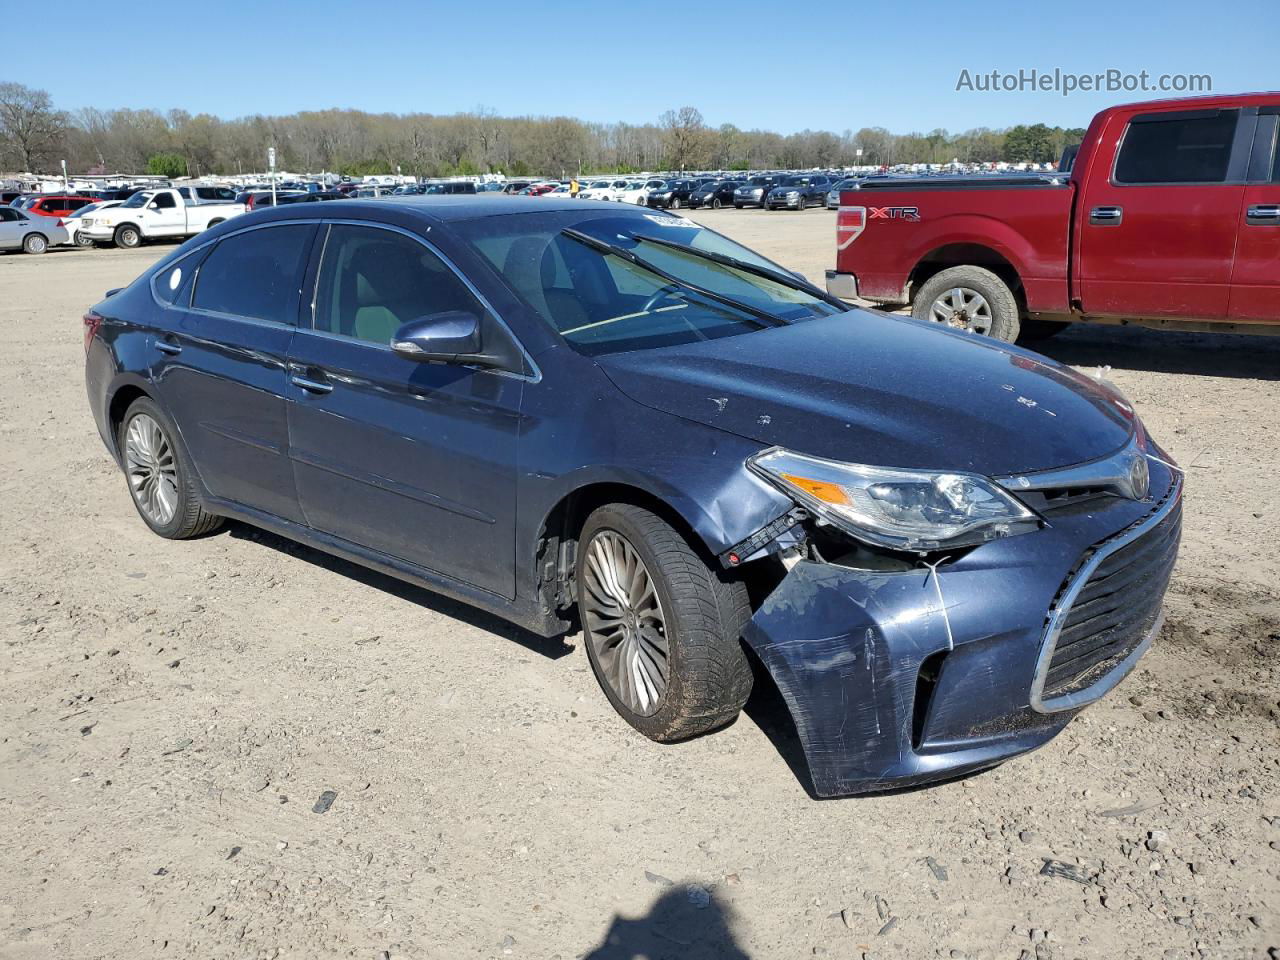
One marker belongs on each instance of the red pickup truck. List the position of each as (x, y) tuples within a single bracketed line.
[(1169, 217)]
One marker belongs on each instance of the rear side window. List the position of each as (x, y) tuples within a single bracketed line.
[(255, 274), (1177, 150), (372, 280)]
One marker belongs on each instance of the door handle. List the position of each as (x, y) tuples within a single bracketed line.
[(1263, 215), (311, 386), (172, 349), (1106, 216)]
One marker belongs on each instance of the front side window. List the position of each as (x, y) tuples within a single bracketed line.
[(255, 274), (1176, 150), (373, 280), (165, 201), (603, 303)]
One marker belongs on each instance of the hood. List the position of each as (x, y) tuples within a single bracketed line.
[(870, 388)]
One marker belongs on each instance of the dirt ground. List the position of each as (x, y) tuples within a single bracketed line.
[(172, 713)]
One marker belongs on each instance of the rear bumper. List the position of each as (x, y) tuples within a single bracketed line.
[(842, 285), (899, 678)]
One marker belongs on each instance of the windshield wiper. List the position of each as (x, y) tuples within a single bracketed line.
[(763, 317), (786, 279)]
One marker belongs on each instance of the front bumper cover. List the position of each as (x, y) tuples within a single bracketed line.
[(897, 678)]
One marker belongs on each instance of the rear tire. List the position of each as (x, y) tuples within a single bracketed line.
[(689, 607), (35, 243), (128, 237), (1001, 306), (737, 206), (161, 480)]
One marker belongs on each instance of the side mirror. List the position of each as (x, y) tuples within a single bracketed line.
[(449, 337)]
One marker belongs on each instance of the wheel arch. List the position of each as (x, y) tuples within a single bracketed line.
[(967, 254), (556, 543), (122, 398)]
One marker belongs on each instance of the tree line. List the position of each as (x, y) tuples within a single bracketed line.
[(35, 136)]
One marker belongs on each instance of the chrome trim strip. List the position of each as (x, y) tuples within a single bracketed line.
[(1108, 681), (1112, 472)]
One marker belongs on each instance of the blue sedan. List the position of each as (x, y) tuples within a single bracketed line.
[(939, 547)]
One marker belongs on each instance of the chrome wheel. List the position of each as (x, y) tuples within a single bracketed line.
[(625, 623), (152, 470), (964, 309)]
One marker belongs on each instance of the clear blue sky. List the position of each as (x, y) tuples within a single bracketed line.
[(753, 63)]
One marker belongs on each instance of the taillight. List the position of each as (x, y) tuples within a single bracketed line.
[(92, 321), (850, 222), (248, 204)]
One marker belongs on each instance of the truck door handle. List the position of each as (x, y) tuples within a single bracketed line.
[(1106, 216), (1263, 215), (172, 349), (311, 386)]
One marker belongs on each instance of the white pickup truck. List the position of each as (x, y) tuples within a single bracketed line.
[(152, 214)]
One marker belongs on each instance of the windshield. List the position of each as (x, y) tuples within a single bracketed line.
[(602, 303), (137, 200)]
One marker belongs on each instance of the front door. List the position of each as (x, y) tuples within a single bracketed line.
[(1158, 231), (220, 368), (1255, 284), (165, 216), (410, 459)]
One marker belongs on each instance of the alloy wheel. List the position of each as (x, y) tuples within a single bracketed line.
[(152, 469), (964, 309), (625, 623)]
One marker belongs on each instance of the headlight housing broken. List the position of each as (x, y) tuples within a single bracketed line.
[(899, 509)]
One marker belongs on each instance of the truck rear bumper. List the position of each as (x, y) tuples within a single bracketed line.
[(842, 285)]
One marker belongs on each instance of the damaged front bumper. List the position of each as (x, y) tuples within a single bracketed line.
[(902, 677)]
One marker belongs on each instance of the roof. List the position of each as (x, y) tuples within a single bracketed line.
[(468, 206)]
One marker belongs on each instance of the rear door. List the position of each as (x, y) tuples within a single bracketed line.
[(220, 361), (11, 228), (413, 460), (1255, 282), (1158, 230)]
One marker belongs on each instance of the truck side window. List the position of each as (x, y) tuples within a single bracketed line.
[(1177, 150), (164, 200)]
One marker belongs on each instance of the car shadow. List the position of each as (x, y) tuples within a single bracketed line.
[(688, 922), (552, 648), (1165, 351)]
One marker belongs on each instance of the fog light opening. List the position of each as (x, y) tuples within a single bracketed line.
[(926, 683)]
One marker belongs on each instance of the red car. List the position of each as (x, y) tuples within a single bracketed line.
[(1169, 218), (60, 205)]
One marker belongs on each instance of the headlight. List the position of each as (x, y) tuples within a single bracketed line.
[(917, 510)]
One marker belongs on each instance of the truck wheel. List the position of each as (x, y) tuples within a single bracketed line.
[(1041, 329), (128, 237), (35, 243), (969, 298), (661, 627), (161, 479)]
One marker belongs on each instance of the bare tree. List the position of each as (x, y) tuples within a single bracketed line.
[(30, 128), (686, 137)]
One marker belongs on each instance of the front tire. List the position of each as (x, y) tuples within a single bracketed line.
[(660, 625), (128, 237), (674, 204), (969, 298), (161, 480)]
